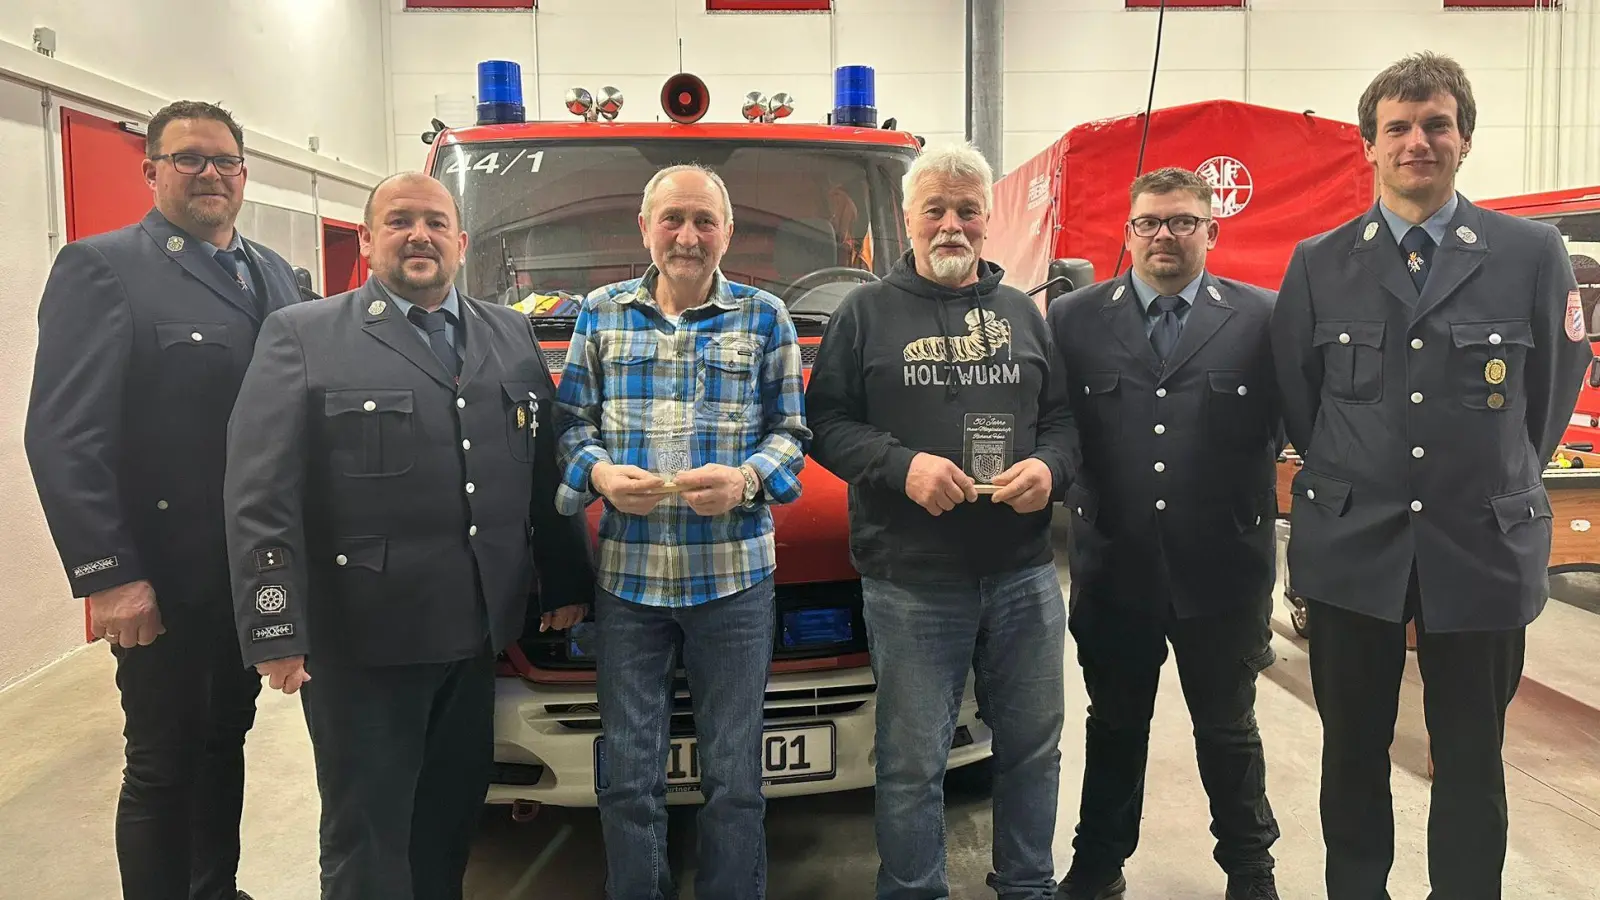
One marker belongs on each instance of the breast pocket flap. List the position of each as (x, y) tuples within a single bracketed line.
[(335, 403), (1361, 334), (1473, 334), (198, 334)]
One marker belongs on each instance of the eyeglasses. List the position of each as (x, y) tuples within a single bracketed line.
[(195, 163), (1180, 226)]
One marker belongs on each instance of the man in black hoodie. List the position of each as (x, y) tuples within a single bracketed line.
[(934, 398)]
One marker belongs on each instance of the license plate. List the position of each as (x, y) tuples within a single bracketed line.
[(788, 756)]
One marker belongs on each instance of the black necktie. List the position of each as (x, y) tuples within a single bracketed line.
[(1417, 248), (1165, 334), (235, 267), (433, 323)]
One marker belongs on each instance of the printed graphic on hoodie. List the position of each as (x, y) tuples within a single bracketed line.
[(986, 334)]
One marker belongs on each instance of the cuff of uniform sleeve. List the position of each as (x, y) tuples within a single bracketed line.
[(104, 574)]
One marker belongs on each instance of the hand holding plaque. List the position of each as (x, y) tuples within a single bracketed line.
[(988, 440), (1026, 486), (937, 485), (630, 489)]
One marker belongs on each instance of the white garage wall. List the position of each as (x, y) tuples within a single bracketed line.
[(42, 622), (288, 69), (1066, 62)]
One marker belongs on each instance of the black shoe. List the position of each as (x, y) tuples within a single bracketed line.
[(1083, 883), (244, 896), (1252, 886)]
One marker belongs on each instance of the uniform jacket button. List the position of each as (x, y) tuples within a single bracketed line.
[(340, 560), (1161, 504), (1495, 339), (1311, 494), (1416, 343), (471, 487), (1243, 390), (1161, 392), (161, 504), (369, 406), (461, 402), (1416, 506), (1416, 397), (473, 531), (1344, 337)]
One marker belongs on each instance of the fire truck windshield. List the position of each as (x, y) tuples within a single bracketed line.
[(549, 221)]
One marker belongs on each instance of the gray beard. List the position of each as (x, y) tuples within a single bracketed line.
[(951, 269)]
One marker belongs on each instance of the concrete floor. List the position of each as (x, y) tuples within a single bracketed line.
[(60, 762)]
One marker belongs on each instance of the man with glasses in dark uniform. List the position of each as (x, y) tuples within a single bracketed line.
[(144, 337), (1172, 524)]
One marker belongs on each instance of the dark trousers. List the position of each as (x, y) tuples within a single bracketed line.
[(403, 758), (1121, 652), (1468, 681), (187, 702)]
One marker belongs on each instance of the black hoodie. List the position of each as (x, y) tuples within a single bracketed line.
[(887, 385)]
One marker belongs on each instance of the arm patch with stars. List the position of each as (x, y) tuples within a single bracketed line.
[(271, 558)]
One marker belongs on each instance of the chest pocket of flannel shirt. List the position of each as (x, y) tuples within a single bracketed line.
[(630, 377), (728, 389)]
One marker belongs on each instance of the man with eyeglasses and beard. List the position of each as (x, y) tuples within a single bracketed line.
[(144, 336), (935, 399), (1172, 529)]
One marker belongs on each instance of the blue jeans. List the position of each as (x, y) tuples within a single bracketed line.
[(726, 646), (924, 638)]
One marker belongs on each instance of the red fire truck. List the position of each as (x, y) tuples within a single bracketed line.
[(551, 212)]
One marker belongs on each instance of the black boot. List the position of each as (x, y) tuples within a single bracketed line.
[(1252, 886), (1084, 882)]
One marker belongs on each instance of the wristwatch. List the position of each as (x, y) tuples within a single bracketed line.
[(752, 484)]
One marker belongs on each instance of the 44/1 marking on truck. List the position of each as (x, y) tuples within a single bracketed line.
[(490, 163)]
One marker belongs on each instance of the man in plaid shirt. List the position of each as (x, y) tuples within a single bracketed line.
[(683, 408)]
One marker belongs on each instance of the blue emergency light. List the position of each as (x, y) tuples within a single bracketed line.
[(499, 92), (855, 94)]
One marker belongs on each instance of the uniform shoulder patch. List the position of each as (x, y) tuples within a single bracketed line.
[(272, 632), (1574, 317), (271, 558)]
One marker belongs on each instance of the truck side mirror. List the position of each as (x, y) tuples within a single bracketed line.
[(1077, 273)]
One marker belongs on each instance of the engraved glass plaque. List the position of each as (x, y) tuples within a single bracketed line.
[(988, 441)]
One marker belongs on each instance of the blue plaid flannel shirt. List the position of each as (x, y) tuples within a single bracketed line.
[(723, 386)]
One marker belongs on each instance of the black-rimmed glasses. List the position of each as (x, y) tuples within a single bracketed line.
[(1180, 226), (195, 163)]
